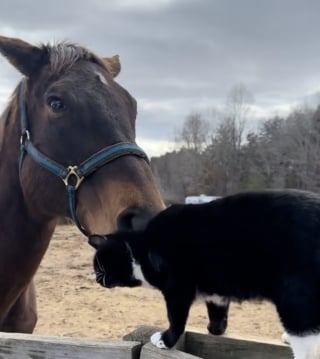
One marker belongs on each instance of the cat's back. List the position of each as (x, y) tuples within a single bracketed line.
[(246, 216), (244, 207), (273, 209), (255, 235)]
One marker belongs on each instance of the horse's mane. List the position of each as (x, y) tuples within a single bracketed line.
[(64, 54)]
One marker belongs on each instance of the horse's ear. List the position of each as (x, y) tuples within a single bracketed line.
[(113, 65), (24, 57), (96, 241)]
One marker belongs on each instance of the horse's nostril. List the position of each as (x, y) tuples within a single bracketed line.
[(133, 219)]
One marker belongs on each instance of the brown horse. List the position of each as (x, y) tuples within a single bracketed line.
[(68, 125)]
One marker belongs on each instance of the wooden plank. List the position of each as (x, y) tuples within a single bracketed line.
[(143, 334), (214, 347), (26, 346), (149, 351)]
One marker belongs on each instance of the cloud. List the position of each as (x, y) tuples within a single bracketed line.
[(141, 5), (154, 148), (178, 56)]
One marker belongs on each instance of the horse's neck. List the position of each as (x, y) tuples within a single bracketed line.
[(1, 130), (21, 236), (23, 239), (9, 136), (12, 204)]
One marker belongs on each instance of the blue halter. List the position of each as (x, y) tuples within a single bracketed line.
[(72, 176)]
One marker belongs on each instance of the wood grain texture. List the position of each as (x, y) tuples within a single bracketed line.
[(149, 351), (196, 345), (209, 346), (25, 346)]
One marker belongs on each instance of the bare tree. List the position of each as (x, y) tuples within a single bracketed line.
[(230, 134), (303, 149), (284, 152), (221, 171), (238, 106), (194, 132)]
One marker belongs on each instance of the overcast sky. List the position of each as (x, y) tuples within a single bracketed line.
[(180, 56)]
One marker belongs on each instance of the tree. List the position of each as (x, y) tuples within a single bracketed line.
[(283, 153), (194, 132), (223, 157), (238, 106)]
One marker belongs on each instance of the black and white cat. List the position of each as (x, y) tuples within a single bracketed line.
[(248, 246)]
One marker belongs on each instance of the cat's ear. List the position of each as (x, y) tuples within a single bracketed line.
[(95, 241), (156, 261)]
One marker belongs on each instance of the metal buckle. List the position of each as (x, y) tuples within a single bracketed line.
[(72, 171), (24, 136)]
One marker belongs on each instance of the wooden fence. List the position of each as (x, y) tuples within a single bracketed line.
[(194, 345), (26, 346), (136, 346)]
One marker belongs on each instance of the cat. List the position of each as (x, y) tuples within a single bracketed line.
[(249, 246)]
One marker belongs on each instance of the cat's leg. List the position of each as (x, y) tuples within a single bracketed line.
[(305, 346), (299, 310), (217, 308), (178, 305)]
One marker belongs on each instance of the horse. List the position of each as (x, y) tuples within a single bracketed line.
[(67, 149)]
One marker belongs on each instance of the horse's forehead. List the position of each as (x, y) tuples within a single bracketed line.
[(81, 77), (69, 61), (81, 70), (101, 78), (87, 73)]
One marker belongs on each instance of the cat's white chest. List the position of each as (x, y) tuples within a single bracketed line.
[(213, 298), (138, 274)]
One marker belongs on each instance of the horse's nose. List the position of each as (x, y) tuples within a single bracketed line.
[(134, 219)]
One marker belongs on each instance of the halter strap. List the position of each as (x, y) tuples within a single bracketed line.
[(72, 176)]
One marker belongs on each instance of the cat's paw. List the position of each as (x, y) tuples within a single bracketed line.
[(217, 327), (285, 338), (156, 339)]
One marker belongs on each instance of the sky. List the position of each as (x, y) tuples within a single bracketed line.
[(182, 56)]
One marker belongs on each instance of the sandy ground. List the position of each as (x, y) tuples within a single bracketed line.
[(72, 304)]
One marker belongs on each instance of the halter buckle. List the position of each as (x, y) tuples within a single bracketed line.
[(72, 174), (25, 136)]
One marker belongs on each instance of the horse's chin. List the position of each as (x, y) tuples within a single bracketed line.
[(95, 221)]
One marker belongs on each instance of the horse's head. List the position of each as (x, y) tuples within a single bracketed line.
[(74, 108)]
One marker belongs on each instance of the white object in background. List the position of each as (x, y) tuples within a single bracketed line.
[(200, 199)]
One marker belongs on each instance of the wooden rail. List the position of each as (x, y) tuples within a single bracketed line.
[(136, 346), (195, 345), (27, 346)]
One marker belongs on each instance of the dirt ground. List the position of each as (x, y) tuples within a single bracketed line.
[(72, 304)]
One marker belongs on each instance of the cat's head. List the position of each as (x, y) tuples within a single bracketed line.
[(113, 261)]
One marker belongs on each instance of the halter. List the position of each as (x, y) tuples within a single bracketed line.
[(72, 176)]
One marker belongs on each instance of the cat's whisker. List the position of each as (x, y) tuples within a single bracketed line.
[(99, 276), (100, 266)]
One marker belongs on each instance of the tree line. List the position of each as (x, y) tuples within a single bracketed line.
[(218, 156)]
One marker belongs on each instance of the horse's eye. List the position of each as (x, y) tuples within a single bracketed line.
[(56, 104)]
